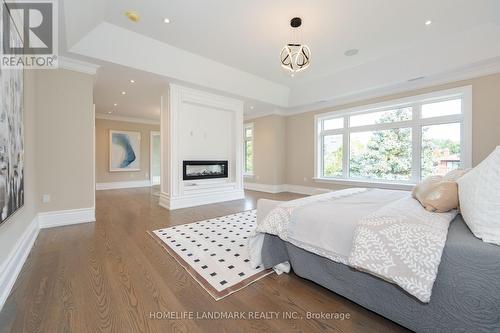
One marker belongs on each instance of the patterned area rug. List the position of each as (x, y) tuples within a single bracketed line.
[(214, 252)]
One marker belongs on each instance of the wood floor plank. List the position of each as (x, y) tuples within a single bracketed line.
[(112, 276)]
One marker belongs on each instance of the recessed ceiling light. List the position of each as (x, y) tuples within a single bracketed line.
[(110, 112), (124, 92), (166, 20), (351, 52), (251, 107), (292, 75), (132, 16), (116, 104), (132, 81), (428, 22)]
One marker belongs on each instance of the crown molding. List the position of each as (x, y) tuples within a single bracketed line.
[(485, 68), (275, 112), (78, 65), (127, 119)]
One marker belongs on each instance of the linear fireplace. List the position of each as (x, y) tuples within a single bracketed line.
[(192, 170)]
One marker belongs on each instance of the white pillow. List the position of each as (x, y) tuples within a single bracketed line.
[(479, 195), (453, 175)]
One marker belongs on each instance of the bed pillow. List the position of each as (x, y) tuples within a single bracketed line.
[(454, 175), (436, 194), (479, 194), (425, 185)]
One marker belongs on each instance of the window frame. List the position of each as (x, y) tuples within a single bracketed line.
[(416, 124), (245, 140)]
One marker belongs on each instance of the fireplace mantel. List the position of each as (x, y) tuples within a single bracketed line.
[(200, 127)]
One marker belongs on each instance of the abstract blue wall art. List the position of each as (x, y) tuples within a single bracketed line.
[(123, 141), (124, 151)]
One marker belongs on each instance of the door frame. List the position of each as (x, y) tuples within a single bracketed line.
[(151, 135)]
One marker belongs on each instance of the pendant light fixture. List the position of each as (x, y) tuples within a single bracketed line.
[(295, 56)]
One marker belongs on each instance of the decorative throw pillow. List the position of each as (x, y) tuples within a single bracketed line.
[(479, 193), (436, 194), (425, 185)]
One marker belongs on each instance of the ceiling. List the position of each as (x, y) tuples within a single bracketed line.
[(232, 47), (142, 98), (249, 34)]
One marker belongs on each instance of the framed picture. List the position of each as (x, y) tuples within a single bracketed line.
[(124, 151), (11, 139)]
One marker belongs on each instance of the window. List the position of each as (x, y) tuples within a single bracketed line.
[(440, 148), (332, 157), (248, 149), (397, 142)]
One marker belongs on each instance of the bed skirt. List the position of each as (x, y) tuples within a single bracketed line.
[(465, 297)]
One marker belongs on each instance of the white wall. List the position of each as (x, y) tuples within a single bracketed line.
[(205, 133), (197, 125)]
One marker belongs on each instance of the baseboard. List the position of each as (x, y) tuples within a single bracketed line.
[(10, 271), (119, 185), (197, 200), (307, 190), (66, 217), (16, 260), (264, 187)]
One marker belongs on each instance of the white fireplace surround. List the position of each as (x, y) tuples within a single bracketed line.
[(196, 125)]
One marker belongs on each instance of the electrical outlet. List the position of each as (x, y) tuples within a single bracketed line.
[(257, 177), (46, 198), (305, 179), (147, 175)]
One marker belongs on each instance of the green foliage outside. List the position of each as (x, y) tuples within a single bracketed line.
[(333, 163), (249, 157), (388, 153)]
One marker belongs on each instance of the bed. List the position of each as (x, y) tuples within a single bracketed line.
[(465, 295)]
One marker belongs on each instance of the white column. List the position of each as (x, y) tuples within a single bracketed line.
[(165, 174), (194, 126)]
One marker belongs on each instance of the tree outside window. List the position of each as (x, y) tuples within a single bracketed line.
[(248, 149), (380, 145)]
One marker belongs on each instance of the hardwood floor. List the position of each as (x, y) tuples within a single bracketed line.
[(111, 276)]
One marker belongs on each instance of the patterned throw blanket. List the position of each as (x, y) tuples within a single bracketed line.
[(402, 243)]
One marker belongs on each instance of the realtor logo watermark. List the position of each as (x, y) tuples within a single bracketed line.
[(29, 34)]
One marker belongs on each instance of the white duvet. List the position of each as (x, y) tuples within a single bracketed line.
[(335, 225), (322, 224)]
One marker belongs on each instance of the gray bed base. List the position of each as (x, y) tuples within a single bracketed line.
[(465, 296)]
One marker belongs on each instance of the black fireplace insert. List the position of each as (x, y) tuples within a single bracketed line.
[(192, 170)]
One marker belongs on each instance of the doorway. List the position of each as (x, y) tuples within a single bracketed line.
[(155, 158)]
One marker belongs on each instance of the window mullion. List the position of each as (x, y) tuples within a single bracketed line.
[(442, 120), (333, 131), (345, 148), (416, 143), (321, 149), (383, 126)]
